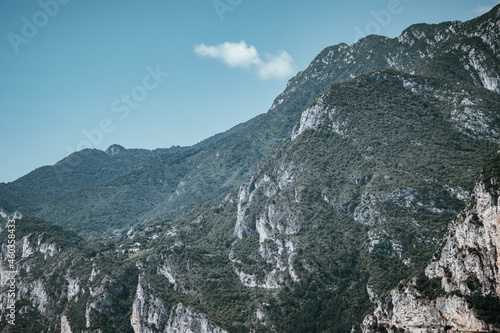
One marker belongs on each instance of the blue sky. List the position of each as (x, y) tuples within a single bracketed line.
[(157, 73)]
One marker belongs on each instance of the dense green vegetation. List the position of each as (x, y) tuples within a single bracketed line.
[(429, 288), (486, 307), (491, 174), (335, 256)]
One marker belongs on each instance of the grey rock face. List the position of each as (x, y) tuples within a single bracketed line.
[(151, 315), (468, 264)]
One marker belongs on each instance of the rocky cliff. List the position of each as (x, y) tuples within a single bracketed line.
[(150, 315), (459, 289), (61, 285), (341, 161)]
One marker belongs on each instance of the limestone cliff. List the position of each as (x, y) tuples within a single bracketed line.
[(60, 286), (151, 315), (460, 288)]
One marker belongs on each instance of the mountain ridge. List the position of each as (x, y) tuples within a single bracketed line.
[(224, 161)]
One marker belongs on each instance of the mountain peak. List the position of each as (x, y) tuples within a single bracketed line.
[(114, 149)]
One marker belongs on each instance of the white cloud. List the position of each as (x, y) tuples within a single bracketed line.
[(233, 54), (241, 55), (483, 9), (276, 66)]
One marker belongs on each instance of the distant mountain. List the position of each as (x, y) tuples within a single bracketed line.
[(43, 185), (83, 174)]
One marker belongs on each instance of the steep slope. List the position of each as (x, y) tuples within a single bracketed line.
[(61, 285), (361, 194), (56, 278), (465, 51), (391, 151), (356, 200), (459, 289)]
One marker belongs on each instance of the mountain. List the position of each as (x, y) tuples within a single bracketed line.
[(33, 191), (301, 220), (342, 211), (336, 216), (459, 289), (81, 179), (153, 185), (323, 227)]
